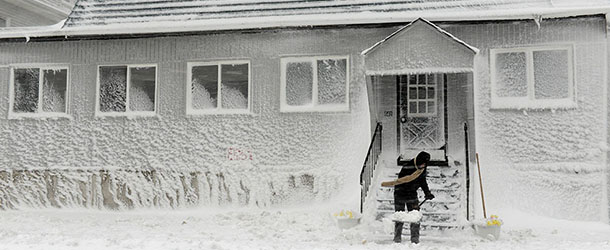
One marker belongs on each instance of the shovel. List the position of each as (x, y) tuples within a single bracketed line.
[(422, 202)]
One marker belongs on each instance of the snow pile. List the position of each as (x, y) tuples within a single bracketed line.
[(202, 99), (126, 188), (413, 216), (254, 229), (233, 98), (139, 100)]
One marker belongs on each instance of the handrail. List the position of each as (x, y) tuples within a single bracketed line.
[(368, 168)]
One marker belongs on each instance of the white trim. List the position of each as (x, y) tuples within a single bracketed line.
[(219, 109), (39, 112), (529, 101), (450, 37), (418, 71), (605, 203), (314, 106), (127, 112)]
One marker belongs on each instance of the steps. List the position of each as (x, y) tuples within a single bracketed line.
[(444, 212)]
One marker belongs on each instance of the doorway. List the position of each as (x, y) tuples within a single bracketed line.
[(422, 114)]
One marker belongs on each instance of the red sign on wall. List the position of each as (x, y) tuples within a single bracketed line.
[(239, 154)]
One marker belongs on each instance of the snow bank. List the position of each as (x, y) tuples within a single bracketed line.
[(258, 229)]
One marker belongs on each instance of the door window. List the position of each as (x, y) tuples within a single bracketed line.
[(422, 94)]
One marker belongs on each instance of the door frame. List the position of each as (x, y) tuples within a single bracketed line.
[(444, 107)]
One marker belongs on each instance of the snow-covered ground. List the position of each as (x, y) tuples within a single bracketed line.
[(255, 228)]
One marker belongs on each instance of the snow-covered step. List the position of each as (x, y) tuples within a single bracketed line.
[(441, 213)]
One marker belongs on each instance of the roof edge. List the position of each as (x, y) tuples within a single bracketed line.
[(290, 22), (405, 29)]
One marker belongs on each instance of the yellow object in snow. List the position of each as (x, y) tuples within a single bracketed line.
[(344, 214)]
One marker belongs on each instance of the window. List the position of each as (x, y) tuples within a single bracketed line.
[(314, 84), (218, 87), (3, 22), (130, 89), (39, 91), (532, 78), (421, 91)]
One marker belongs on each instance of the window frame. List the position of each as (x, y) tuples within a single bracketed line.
[(314, 106), (529, 101), (99, 113), (218, 110), (41, 67)]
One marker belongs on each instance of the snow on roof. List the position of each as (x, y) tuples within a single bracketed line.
[(104, 17), (442, 31)]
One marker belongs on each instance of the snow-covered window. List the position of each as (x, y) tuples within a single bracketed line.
[(126, 90), (314, 84), (218, 87), (39, 91), (537, 77)]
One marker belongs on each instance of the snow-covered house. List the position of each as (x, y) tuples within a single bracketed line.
[(20, 13), (181, 103)]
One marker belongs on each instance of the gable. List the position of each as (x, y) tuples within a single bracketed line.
[(418, 46)]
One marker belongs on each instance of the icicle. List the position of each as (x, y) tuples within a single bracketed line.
[(538, 20)]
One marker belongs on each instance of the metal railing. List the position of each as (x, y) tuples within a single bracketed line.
[(368, 168)]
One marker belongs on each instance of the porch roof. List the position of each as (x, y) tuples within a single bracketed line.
[(115, 17), (439, 29)]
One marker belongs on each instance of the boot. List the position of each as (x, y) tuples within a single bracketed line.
[(398, 231), (415, 233)]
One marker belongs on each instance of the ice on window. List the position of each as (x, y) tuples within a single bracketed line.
[(142, 89), (551, 74), (54, 90), (26, 90), (431, 107), (234, 88), (412, 93), (421, 93), (113, 88), (332, 79), (204, 87), (511, 76), (299, 83)]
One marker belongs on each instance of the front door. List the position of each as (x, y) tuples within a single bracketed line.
[(422, 114)]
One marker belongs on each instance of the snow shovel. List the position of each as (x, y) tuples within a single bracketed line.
[(410, 220), (422, 203)]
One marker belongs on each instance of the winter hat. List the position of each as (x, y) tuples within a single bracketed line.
[(422, 157)]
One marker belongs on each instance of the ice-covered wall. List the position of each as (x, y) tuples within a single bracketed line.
[(118, 161), (546, 161)]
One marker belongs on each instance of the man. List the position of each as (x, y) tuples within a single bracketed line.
[(411, 177)]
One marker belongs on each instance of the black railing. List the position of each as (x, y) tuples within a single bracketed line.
[(467, 171), (368, 168)]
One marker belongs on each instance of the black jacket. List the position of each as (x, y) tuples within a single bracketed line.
[(408, 191)]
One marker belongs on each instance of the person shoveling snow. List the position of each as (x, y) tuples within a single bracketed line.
[(412, 176)]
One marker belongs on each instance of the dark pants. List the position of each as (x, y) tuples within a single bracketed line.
[(399, 205)]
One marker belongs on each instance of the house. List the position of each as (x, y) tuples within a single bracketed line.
[(19, 13), (205, 103)]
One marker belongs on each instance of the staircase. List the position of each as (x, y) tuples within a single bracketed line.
[(445, 211)]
